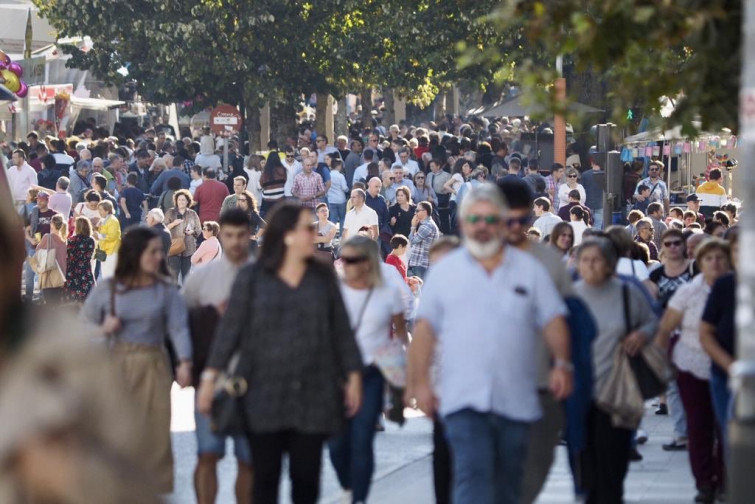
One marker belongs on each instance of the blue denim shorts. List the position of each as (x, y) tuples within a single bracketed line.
[(210, 443)]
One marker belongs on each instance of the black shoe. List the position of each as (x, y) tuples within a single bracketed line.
[(634, 455), (706, 496), (675, 446), (662, 409)]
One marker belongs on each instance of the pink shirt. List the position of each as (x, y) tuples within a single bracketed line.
[(207, 252)]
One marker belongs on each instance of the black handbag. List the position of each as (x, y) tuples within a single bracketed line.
[(650, 367), (228, 414), (100, 255)]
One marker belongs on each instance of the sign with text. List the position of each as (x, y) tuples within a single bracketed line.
[(225, 119)]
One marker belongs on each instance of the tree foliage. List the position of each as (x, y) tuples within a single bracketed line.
[(683, 49), (274, 50)]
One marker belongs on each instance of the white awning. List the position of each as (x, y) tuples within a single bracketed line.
[(95, 103)]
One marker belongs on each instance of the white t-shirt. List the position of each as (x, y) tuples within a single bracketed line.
[(375, 328), (635, 268), (563, 194), (579, 228), (356, 219), (458, 182), (254, 184)]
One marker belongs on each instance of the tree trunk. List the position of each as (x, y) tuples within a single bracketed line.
[(341, 119), (366, 99), (389, 115), (253, 128), (282, 121), (440, 106), (324, 116)]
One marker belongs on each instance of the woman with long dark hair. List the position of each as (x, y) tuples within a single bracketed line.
[(137, 310), (273, 181), (297, 353), (562, 238), (246, 202)]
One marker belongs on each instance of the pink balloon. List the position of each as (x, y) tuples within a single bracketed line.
[(16, 69), (23, 90)]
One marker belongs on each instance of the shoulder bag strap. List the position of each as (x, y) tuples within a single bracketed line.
[(362, 310), (625, 302)]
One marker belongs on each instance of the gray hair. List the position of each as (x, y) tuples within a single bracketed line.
[(156, 214), (83, 164), (485, 192), (368, 248), (606, 248)]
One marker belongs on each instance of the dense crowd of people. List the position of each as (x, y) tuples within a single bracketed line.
[(437, 265)]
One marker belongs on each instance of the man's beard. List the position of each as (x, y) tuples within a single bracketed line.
[(483, 250)]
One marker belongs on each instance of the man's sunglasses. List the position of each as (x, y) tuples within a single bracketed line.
[(489, 219), (353, 260), (522, 221), (675, 243)]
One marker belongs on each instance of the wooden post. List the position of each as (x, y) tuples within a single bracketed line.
[(265, 125), (399, 108), (559, 125)]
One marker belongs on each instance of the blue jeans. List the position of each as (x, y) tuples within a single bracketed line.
[(28, 272), (489, 453), (721, 396), (676, 408), (351, 452), (210, 443), (597, 217), (418, 271), (337, 214)]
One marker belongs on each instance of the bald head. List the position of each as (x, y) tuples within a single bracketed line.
[(374, 186)]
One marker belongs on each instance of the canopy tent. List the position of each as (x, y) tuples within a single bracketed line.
[(513, 107), (6, 96), (13, 28)]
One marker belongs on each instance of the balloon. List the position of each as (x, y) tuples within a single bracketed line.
[(23, 90), (12, 81), (16, 69), (4, 58)]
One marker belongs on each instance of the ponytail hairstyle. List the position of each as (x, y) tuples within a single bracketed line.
[(59, 225)]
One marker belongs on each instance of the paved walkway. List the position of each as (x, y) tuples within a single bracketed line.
[(403, 473)]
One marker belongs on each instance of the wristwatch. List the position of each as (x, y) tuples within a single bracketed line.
[(564, 364)]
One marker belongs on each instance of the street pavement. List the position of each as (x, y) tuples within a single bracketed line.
[(403, 471)]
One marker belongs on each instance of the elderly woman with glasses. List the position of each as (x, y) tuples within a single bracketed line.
[(685, 311), (606, 456), (572, 178), (374, 306), (209, 249), (423, 191)]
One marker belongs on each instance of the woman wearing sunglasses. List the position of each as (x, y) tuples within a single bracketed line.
[(572, 178), (375, 306), (303, 369)]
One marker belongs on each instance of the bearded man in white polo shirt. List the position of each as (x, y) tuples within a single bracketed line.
[(486, 305)]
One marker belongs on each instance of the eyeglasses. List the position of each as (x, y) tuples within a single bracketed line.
[(320, 140), (571, 176), (420, 178), (675, 243), (523, 220), (353, 260), (242, 200), (490, 220), (290, 157)]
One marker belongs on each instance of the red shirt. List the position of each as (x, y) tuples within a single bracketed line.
[(395, 261), (210, 196)]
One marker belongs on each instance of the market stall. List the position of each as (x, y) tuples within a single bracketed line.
[(687, 160)]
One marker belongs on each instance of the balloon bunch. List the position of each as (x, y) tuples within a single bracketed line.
[(10, 76)]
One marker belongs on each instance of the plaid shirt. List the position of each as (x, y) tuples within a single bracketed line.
[(552, 188), (421, 240), (307, 186)]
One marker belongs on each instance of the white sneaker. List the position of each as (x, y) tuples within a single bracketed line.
[(346, 497), (641, 437)]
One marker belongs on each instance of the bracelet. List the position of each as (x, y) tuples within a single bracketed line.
[(207, 375), (564, 364)]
